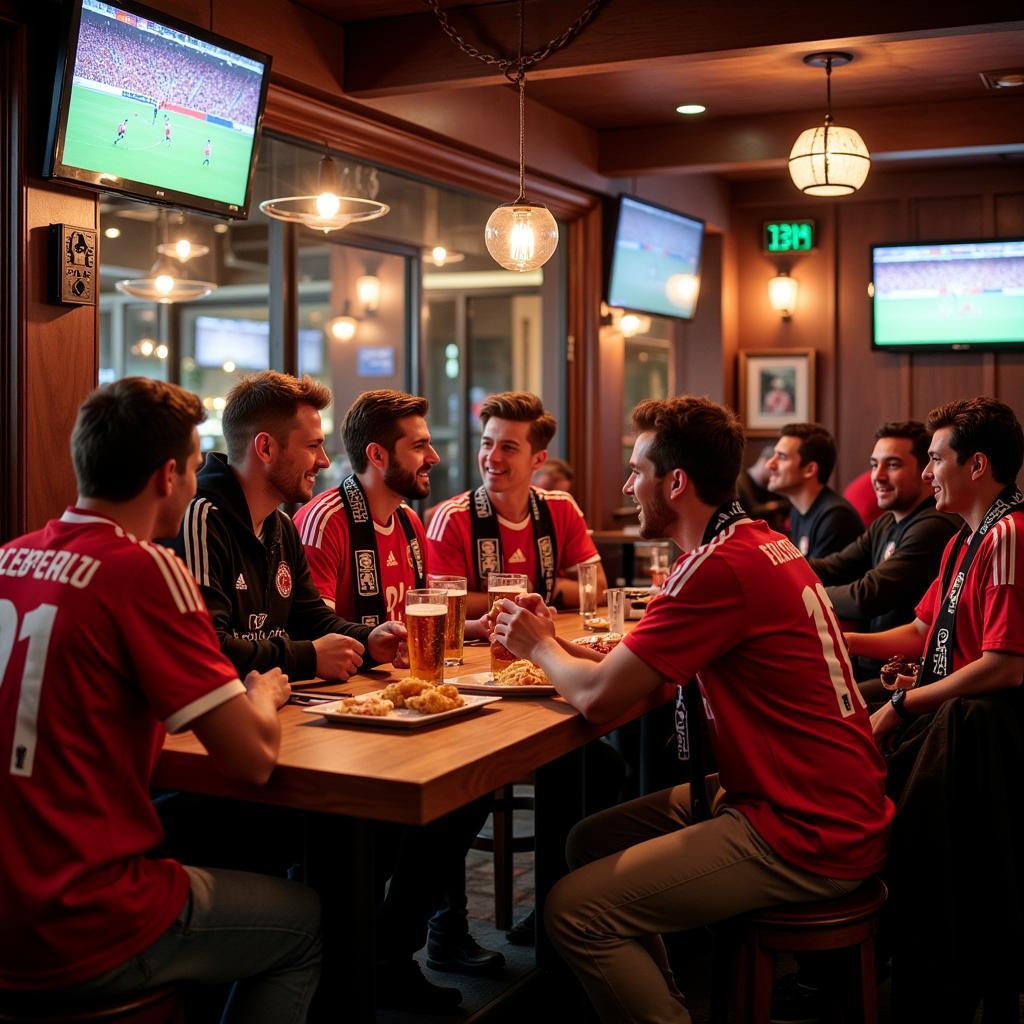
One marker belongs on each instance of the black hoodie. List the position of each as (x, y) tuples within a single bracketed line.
[(264, 605)]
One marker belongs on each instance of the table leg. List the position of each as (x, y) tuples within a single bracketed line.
[(339, 865), (558, 805)]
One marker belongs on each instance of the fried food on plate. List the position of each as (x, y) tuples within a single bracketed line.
[(521, 673), (436, 699), (399, 692), (373, 705)]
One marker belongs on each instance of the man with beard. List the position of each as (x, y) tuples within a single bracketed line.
[(245, 553), (801, 812)]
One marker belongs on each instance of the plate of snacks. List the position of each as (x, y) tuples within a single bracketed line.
[(520, 679), (406, 704), (602, 643)]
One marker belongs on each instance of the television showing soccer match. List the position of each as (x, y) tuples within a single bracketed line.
[(951, 295), (655, 260), (157, 109)]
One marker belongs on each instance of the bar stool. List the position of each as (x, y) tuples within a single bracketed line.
[(158, 1006), (503, 842), (849, 921)]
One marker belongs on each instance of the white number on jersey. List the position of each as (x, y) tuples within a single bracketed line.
[(36, 627), (820, 608)]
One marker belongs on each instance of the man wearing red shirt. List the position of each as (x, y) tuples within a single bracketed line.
[(970, 623), (506, 525), (801, 814), (104, 644)]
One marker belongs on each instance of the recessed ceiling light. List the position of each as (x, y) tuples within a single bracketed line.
[(691, 108), (1005, 78), (112, 232), (221, 228)]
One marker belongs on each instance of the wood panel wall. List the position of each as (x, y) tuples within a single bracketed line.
[(859, 388)]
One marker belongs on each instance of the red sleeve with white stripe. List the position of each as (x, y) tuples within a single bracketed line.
[(575, 545), (323, 530), (164, 619), (1001, 575), (448, 540)]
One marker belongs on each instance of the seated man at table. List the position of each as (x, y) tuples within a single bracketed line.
[(366, 547), (820, 521), (507, 525), (803, 815), (969, 632), (877, 580), (245, 553), (104, 644)]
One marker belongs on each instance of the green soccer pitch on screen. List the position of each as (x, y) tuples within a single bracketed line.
[(948, 295), (154, 108)]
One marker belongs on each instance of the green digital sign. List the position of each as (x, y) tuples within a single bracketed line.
[(788, 235)]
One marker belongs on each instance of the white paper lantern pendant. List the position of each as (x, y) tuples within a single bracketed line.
[(829, 160)]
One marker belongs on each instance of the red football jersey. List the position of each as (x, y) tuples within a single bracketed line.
[(990, 609), (102, 639), (789, 728), (451, 542), (323, 527)]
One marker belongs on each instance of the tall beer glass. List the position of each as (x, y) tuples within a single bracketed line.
[(455, 625), (502, 585), (425, 615)]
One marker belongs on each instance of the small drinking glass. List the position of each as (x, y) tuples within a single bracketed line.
[(425, 614), (587, 576), (455, 625), (616, 598), (659, 565)]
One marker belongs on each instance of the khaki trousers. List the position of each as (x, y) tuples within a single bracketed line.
[(641, 869)]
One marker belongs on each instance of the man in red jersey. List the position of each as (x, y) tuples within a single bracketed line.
[(506, 525), (801, 813), (104, 644)]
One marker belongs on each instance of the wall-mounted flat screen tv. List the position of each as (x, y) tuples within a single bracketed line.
[(655, 260), (948, 295), (156, 109), (246, 343)]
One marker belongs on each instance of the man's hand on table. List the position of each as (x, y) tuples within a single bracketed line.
[(338, 656), (271, 687), (520, 628), (387, 643)]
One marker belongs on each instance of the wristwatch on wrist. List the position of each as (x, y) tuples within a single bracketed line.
[(896, 700)]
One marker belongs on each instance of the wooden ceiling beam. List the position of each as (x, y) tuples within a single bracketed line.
[(765, 141), (410, 53)]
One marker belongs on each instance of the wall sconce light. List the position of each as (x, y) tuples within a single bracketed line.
[(830, 160), (342, 328), (782, 292), (368, 292)]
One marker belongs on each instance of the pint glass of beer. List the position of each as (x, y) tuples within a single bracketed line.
[(425, 615), (502, 585), (455, 625)]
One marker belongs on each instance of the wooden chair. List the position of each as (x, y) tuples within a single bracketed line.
[(158, 1006), (849, 921), (502, 841)]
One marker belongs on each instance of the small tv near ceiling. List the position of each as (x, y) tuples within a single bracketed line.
[(155, 108), (654, 266), (948, 295)]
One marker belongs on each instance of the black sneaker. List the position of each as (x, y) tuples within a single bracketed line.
[(402, 986), (463, 954), (525, 932), (794, 1002)]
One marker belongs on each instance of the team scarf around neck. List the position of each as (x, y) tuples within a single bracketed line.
[(487, 539), (690, 744), (370, 605), (938, 658)]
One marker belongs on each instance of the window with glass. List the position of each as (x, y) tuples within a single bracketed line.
[(410, 301)]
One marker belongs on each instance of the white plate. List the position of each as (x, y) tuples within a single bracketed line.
[(400, 718), (483, 682)]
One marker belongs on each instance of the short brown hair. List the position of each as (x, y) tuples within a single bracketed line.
[(698, 436), (559, 466), (910, 430), (373, 418), (521, 407), (267, 401), (125, 430), (816, 445), (983, 425)]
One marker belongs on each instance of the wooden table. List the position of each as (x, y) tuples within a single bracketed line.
[(347, 777)]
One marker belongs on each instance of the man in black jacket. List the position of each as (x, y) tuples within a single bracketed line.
[(245, 553), (877, 579)]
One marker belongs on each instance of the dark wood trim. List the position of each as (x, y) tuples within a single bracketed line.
[(391, 143), (12, 370)]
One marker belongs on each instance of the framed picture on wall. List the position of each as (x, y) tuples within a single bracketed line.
[(776, 388)]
